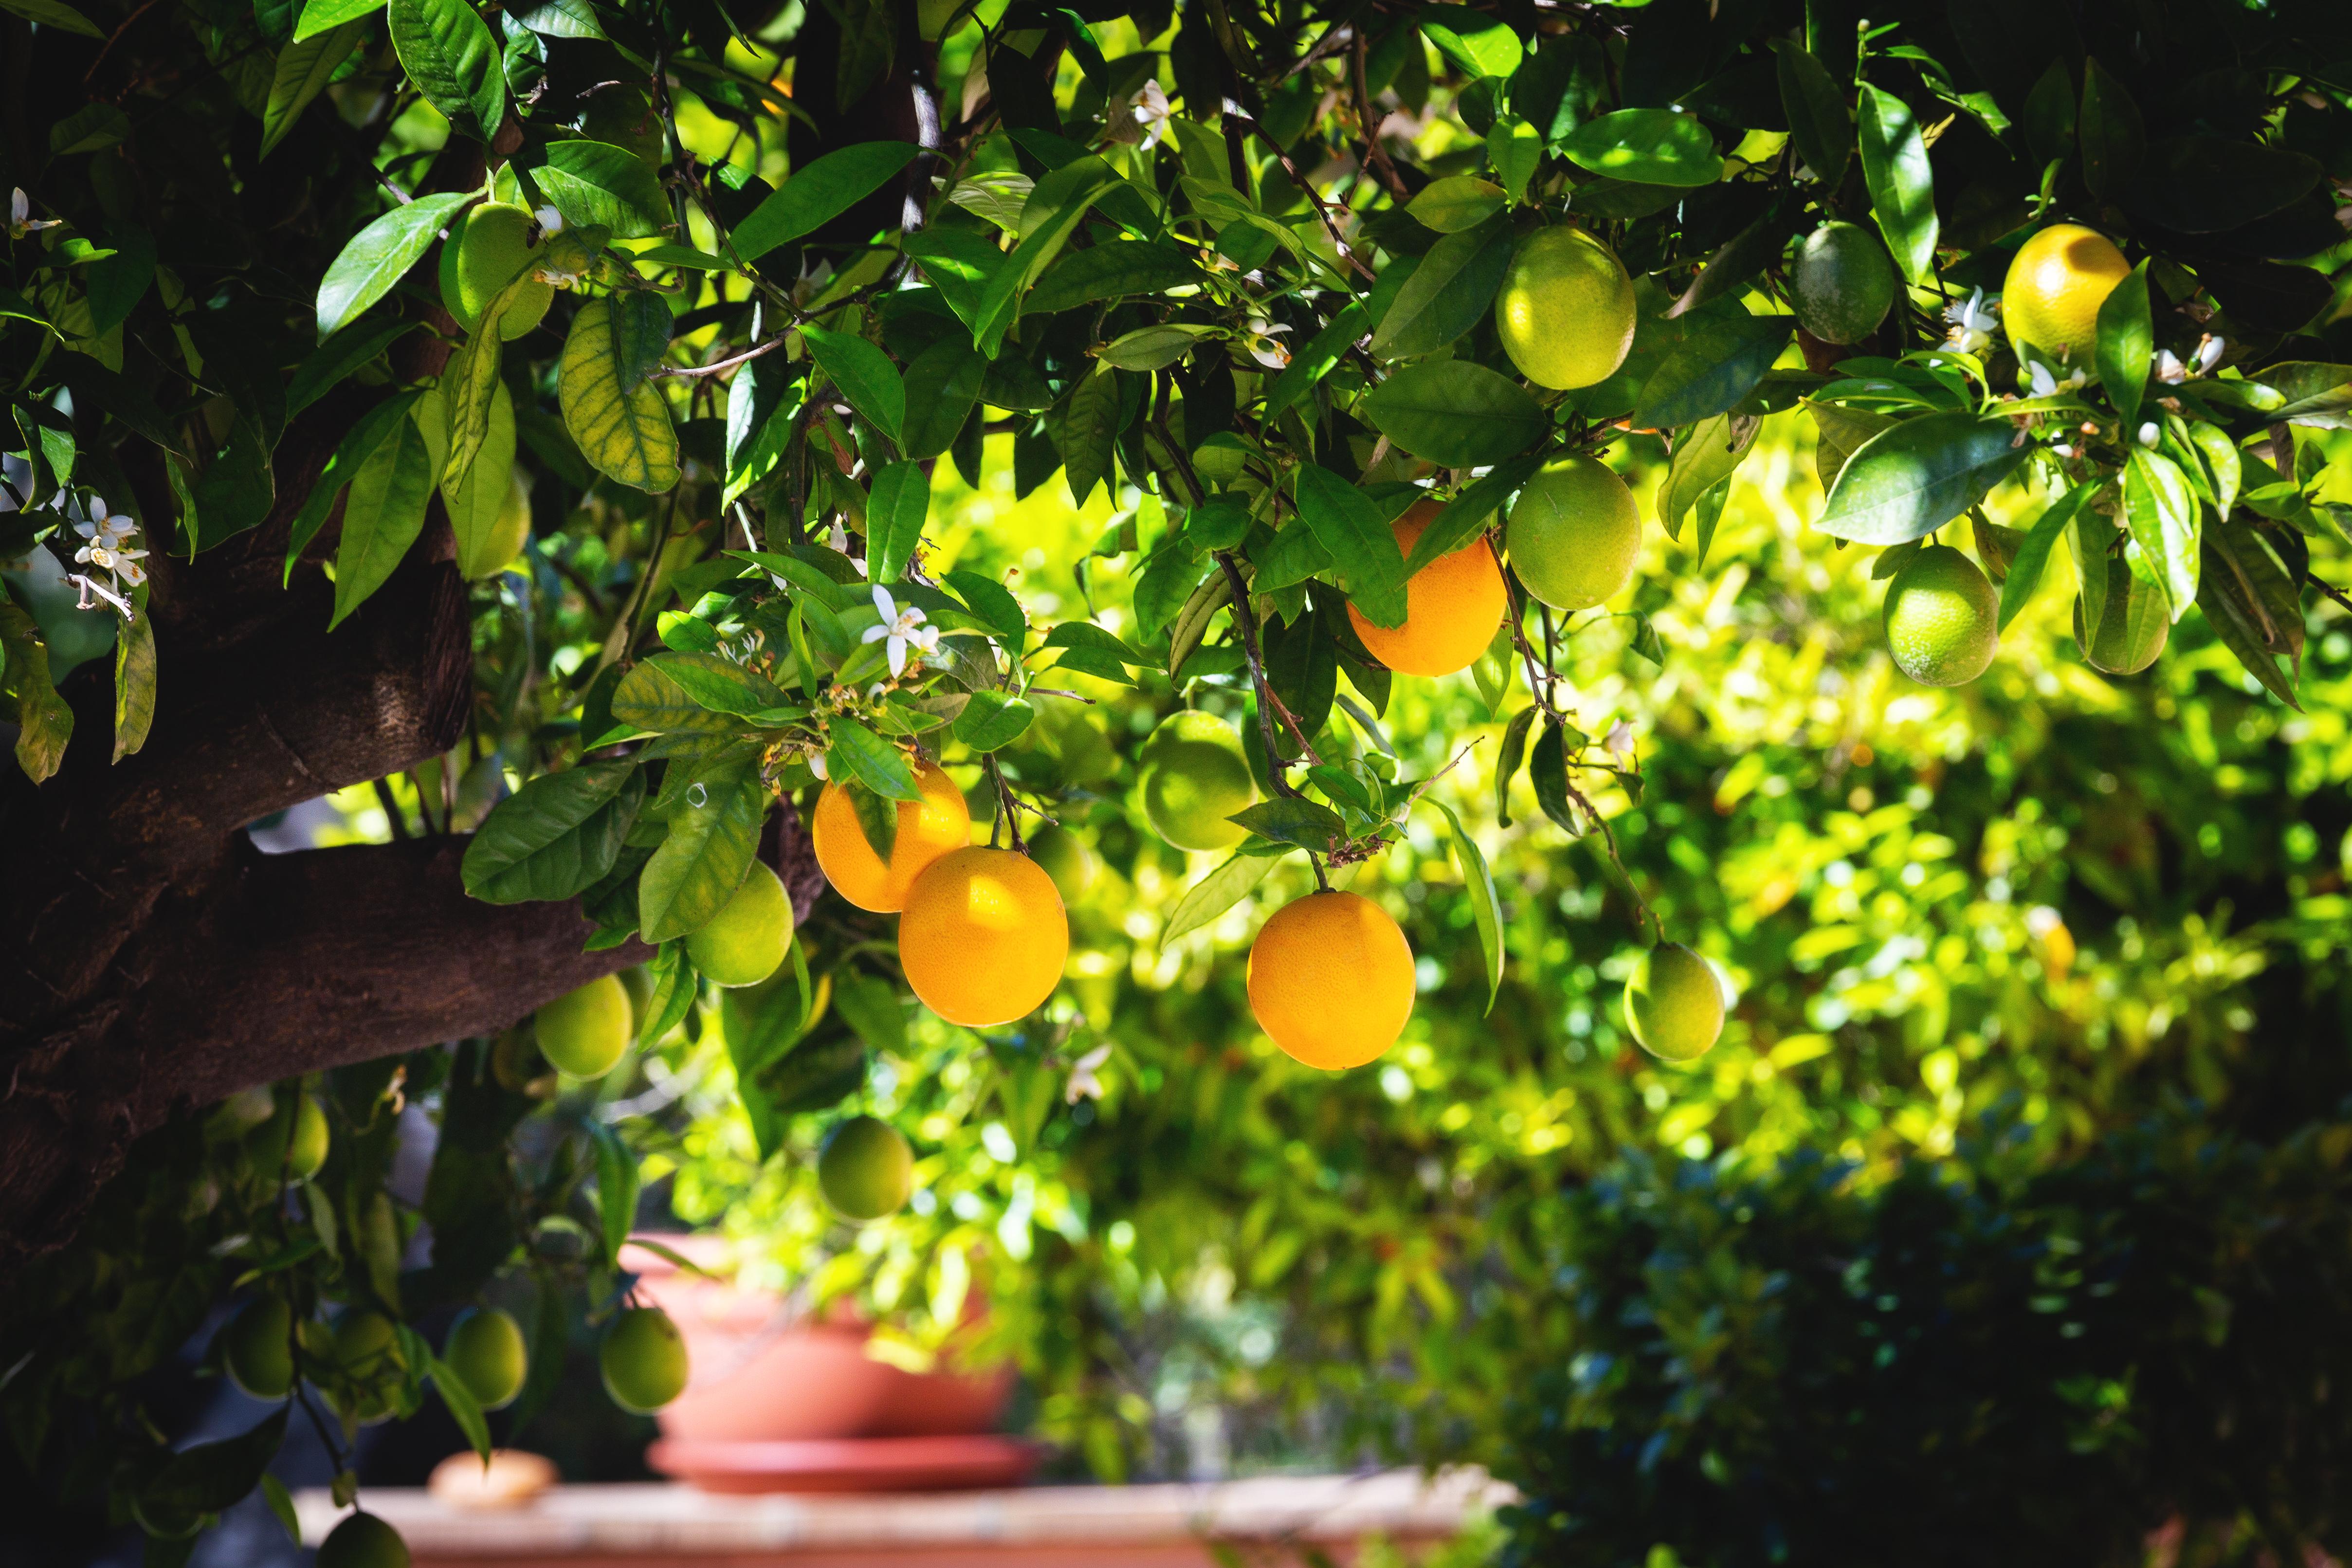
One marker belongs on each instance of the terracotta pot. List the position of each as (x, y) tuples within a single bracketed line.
[(760, 1375)]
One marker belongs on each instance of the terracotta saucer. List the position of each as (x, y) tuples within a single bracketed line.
[(847, 1464)]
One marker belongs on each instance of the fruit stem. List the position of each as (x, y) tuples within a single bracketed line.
[(1004, 806)]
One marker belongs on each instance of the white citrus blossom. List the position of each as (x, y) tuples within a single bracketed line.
[(21, 221), (2210, 350), (904, 628), (1257, 339), (1083, 1084), (1973, 320), (105, 549), (1619, 740), (2047, 385)]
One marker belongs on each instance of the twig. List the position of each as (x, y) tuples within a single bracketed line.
[(1371, 129), (1005, 807), (1322, 206), (391, 812), (2330, 589)]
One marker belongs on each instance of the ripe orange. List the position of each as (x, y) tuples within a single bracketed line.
[(1330, 979), (1451, 606), (983, 937), (2055, 285), (927, 829)]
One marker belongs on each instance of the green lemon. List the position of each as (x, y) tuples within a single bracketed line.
[(362, 1541), (2134, 624), (643, 1360), (268, 1144), (486, 247), (1196, 775), (256, 1348), (367, 1349), (1565, 311), (508, 530), (745, 941), (584, 1032), (1673, 1003), (485, 1349), (1574, 534), (1943, 619), (1067, 858), (866, 1168), (639, 983), (1843, 283)]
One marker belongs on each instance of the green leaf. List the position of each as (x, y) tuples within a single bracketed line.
[(556, 837), (1456, 203), (1475, 42), (717, 684), (869, 33), (862, 373), (1718, 362), (901, 499), (872, 1009), (1548, 771), (2314, 394), (2254, 606), (1325, 349), (1818, 121), (595, 184), (818, 194), (992, 604), (1839, 434), (382, 516), (942, 385), (209, 1477), (993, 720), (1646, 146), (54, 13), (702, 859), (649, 697), (358, 444), (464, 1408), (2126, 344), (469, 390), (1056, 207), (1462, 518), (616, 1187), (2207, 184), (2222, 463), (325, 16), (676, 986), (1486, 906), (1902, 187), (623, 427), (1157, 346), (1109, 272), (452, 58), (1706, 454), (1286, 819), (44, 721), (1455, 413), (89, 129), (1216, 892), (331, 363), (304, 69), (1348, 524), (2025, 567), (2162, 513), (378, 256), (1506, 763), (477, 505), (1916, 476), (2113, 139), (134, 684), (1086, 429), (1450, 292), (281, 1503), (857, 752)]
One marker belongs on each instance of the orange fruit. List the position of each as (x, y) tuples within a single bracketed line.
[(983, 937), (1330, 979), (2055, 285), (927, 829), (1451, 606)]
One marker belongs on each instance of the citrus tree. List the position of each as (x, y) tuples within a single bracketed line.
[(536, 417)]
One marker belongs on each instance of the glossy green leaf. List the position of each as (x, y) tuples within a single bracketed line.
[(992, 604), (1347, 524), (623, 427), (1485, 906), (1055, 209), (1462, 519), (304, 69), (325, 16), (1086, 424), (862, 373), (818, 194), (2033, 552), (994, 720), (900, 500), (1647, 146), (54, 13), (1450, 292), (943, 387), (1457, 201), (1477, 42), (1719, 360), (2126, 344), (857, 752), (464, 1410), (1157, 346), (1916, 476), (2162, 513), (1287, 819), (649, 697), (358, 445), (477, 505), (700, 863), (1818, 120), (1214, 893), (1902, 187), (595, 184), (1509, 759), (1455, 413), (451, 58), (556, 837), (331, 363), (718, 684), (1109, 272), (1316, 360), (135, 665), (2252, 604), (378, 256), (382, 516), (1705, 455)]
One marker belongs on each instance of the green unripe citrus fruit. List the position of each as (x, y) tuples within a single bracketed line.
[(508, 530), (307, 1150), (367, 1349), (639, 984), (1565, 311), (866, 1168), (1673, 1003), (1196, 775), (485, 1349), (643, 1360), (2134, 623), (1067, 858), (486, 248), (745, 943), (1843, 282), (584, 1032), (1574, 534), (256, 1348), (1943, 619), (363, 1541)]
